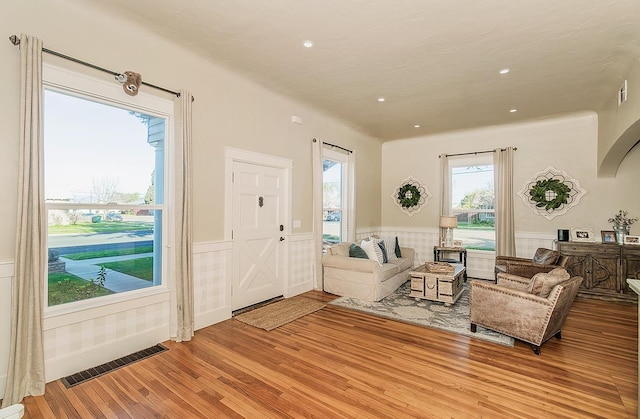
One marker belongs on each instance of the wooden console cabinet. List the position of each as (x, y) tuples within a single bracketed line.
[(604, 267)]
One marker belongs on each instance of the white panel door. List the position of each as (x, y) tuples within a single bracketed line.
[(258, 248)]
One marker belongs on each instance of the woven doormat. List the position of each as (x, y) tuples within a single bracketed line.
[(281, 312)]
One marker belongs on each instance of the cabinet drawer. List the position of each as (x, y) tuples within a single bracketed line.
[(588, 248)]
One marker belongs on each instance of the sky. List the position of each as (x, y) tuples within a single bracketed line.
[(466, 179), (87, 141)]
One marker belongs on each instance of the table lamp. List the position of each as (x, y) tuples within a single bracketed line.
[(448, 222)]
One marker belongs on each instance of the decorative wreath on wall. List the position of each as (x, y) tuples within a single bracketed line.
[(411, 196), (551, 192)]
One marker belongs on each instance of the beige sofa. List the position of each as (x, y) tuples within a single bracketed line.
[(364, 279)]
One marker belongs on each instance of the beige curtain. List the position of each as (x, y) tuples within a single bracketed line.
[(25, 374), (445, 192), (316, 153), (503, 178), (184, 230), (351, 205)]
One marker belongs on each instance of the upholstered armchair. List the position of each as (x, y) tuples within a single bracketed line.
[(532, 310), (544, 260)]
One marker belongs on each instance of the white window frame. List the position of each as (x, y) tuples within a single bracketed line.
[(87, 87), (473, 160)]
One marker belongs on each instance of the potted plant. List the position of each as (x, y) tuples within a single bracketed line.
[(622, 224)]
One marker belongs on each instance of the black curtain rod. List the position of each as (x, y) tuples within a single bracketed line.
[(16, 41), (475, 152), (334, 145)]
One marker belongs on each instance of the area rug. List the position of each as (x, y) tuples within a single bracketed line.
[(402, 307), (281, 312)]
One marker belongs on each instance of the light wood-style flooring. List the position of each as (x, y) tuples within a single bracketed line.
[(339, 363)]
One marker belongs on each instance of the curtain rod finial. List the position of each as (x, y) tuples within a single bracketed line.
[(14, 40)]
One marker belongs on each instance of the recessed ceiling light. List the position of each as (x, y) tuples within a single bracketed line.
[(513, 110), (307, 44), (416, 126), (504, 71), (381, 99)]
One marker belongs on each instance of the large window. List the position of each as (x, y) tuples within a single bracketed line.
[(473, 201), (104, 185), (334, 197)]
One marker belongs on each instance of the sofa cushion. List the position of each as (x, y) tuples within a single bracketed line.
[(380, 250), (339, 249), (390, 247), (542, 283), (370, 247), (546, 256), (356, 251)]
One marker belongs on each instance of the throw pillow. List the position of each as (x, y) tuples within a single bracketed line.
[(383, 248), (356, 251), (542, 283), (370, 247), (390, 247), (397, 248), (379, 252), (546, 256)]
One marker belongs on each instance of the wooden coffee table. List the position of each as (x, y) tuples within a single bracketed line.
[(445, 287)]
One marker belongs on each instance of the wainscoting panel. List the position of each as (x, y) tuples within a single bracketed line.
[(6, 279), (301, 264), (212, 272), (93, 340)]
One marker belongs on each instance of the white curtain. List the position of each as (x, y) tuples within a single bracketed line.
[(25, 374), (445, 192), (504, 225), (184, 230)]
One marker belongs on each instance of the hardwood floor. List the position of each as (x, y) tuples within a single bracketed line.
[(340, 363)]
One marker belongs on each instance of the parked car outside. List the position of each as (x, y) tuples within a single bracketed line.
[(333, 216)]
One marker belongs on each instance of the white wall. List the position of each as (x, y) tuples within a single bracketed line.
[(229, 111), (568, 143)]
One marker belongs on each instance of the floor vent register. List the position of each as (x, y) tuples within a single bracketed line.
[(88, 374)]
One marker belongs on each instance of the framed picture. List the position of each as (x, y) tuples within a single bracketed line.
[(608, 236), (582, 235), (631, 239), (457, 243)]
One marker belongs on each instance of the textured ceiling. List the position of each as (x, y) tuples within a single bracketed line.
[(436, 62)]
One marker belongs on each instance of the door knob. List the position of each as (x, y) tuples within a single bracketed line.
[(281, 239)]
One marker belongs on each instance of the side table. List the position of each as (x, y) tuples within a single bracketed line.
[(440, 251)]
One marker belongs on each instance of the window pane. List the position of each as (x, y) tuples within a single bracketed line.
[(103, 166), (92, 259), (473, 203), (332, 202), (98, 153), (332, 184)]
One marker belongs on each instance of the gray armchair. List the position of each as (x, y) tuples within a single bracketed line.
[(513, 308)]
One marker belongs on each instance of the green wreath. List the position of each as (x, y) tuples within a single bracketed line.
[(538, 193), (408, 196)]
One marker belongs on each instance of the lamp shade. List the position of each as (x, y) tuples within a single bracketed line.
[(448, 221)]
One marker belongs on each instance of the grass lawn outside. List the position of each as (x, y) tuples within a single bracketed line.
[(140, 268), (66, 288)]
